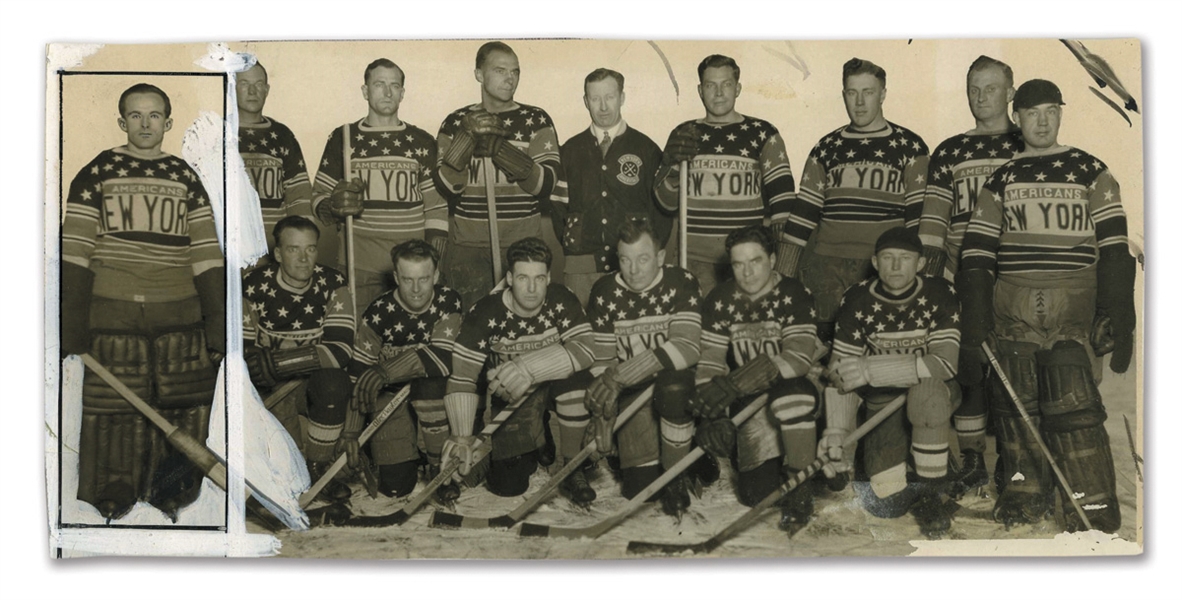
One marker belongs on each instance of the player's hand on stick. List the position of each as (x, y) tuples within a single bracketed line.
[(261, 367), (682, 144), (712, 399), (717, 436), (603, 393), (349, 445), (369, 385), (599, 430), (830, 445), (850, 373), (510, 380), (347, 199), (487, 129), (463, 448)]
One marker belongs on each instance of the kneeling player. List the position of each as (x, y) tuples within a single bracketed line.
[(897, 333), (533, 337), (406, 335), (759, 334)]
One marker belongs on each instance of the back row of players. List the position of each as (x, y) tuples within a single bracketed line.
[(1024, 226)]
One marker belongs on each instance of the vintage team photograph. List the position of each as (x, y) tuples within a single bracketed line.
[(602, 299)]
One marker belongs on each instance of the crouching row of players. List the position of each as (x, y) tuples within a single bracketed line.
[(531, 348)]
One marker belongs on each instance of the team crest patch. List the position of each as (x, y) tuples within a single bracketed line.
[(630, 169)]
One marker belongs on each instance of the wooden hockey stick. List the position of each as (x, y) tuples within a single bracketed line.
[(597, 529), (494, 236), (683, 214), (1005, 381), (375, 424), (350, 260), (403, 514), (637, 547), (453, 521), (281, 392)]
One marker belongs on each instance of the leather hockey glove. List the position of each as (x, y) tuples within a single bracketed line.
[(682, 145), (787, 258), (603, 393), (77, 286), (260, 366), (349, 443), (1116, 274), (717, 436), (463, 448), (713, 398), (459, 152), (347, 199), (367, 388), (974, 289), (840, 415), (480, 122), (401, 367), (601, 431), (268, 367), (515, 162), (934, 262)]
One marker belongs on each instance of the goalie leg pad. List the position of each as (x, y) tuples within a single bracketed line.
[(795, 409), (522, 432), (756, 483), (1024, 470), (176, 480), (112, 459), (1017, 360), (185, 374), (125, 355), (394, 441), (638, 440), (328, 402)]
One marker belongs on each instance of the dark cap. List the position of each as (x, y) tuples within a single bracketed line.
[(1036, 92), (899, 237)]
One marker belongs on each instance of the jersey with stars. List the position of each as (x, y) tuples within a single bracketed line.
[(491, 332), (925, 321), (145, 222), (855, 186), (958, 169), (275, 164), (1044, 218), (278, 317), (388, 329), (665, 319), (736, 329), (529, 129), (740, 176), (395, 166)]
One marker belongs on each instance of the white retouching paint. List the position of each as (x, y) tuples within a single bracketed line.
[(1084, 543)]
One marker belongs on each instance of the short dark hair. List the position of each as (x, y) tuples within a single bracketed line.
[(858, 66), (758, 234), (489, 48), (383, 63), (602, 73), (717, 61), (984, 62), (415, 251), (293, 222), (145, 88), (632, 229), (530, 249)]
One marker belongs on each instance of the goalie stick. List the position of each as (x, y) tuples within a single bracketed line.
[(449, 520), (637, 547), (597, 529)]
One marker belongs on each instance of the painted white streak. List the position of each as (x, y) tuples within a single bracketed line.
[(67, 56), (76, 543), (1085, 543)]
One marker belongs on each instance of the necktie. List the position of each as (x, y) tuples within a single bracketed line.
[(605, 143)]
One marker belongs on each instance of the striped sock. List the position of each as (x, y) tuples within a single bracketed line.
[(322, 438), (675, 441), (970, 432), (433, 429), (572, 422), (929, 449)]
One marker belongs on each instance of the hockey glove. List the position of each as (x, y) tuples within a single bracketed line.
[(974, 289), (509, 381), (480, 122), (712, 399), (465, 449), (830, 445), (717, 436), (787, 258), (77, 284), (600, 430), (515, 162), (369, 385), (347, 199), (260, 366), (1116, 274), (459, 153), (682, 145), (603, 393)]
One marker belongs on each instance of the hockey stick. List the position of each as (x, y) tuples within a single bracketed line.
[(1001, 374), (494, 236), (454, 521), (596, 529), (636, 547), (403, 514), (350, 260), (683, 214), (375, 424), (281, 393)]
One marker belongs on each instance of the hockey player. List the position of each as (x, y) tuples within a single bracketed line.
[(958, 167), (389, 190), (143, 291), (738, 171), (759, 335), (270, 153), (609, 171), (523, 145), (406, 336), (1046, 269), (648, 324), (532, 336), (897, 333), (298, 323)]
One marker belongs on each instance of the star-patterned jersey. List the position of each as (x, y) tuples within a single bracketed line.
[(857, 185), (924, 320), (1042, 219), (959, 167), (278, 316), (492, 333), (144, 226), (735, 328), (395, 165), (275, 164), (664, 319), (388, 328), (531, 130), (740, 176)]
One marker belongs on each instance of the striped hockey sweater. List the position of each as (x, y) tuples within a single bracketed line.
[(279, 316), (388, 328), (275, 164)]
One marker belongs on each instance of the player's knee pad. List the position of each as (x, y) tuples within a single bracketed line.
[(1068, 397), (793, 402), (510, 477), (398, 480), (671, 393), (755, 485), (329, 392), (929, 403), (125, 355), (185, 374), (1017, 360), (635, 479)]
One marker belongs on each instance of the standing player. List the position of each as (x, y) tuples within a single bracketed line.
[(609, 171), (143, 291), (958, 167), (270, 153), (897, 333), (759, 335), (533, 337), (523, 146), (298, 322), (406, 335), (1046, 268), (738, 171), (389, 189), (648, 326)]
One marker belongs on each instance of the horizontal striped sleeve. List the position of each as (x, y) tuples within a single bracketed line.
[(684, 346), (915, 177), (434, 204), (470, 351), (437, 356), (204, 251), (543, 148), (779, 187), (250, 321), (1107, 212), (797, 346), (983, 234), (366, 348), (936, 216), (805, 213), (339, 326), (943, 348), (713, 359), (848, 338), (297, 188), (577, 335), (332, 169), (80, 229)]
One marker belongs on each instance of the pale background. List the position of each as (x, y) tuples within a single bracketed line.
[(24, 549)]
